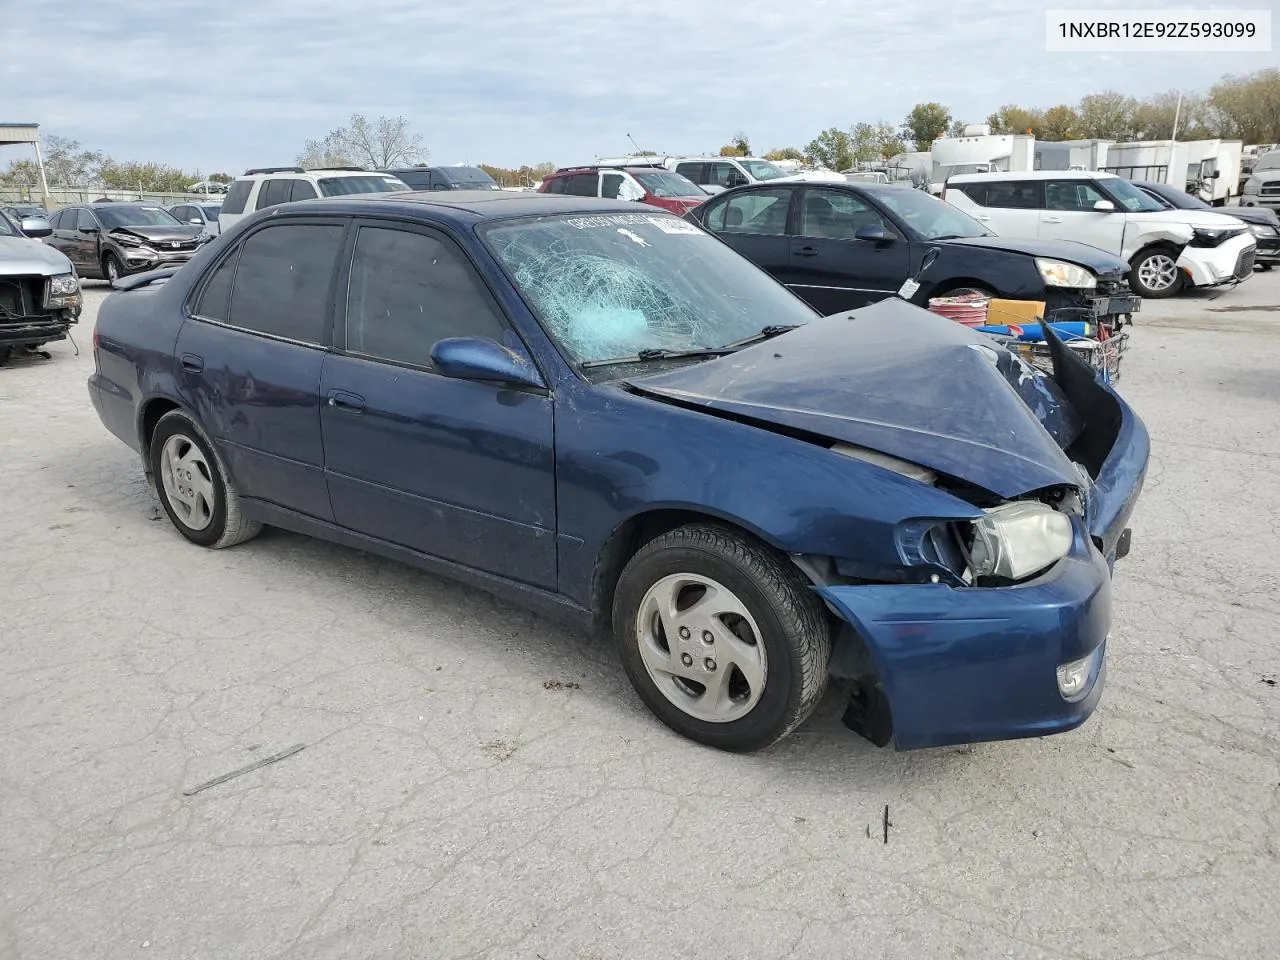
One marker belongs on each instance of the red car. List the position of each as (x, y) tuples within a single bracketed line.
[(652, 185)]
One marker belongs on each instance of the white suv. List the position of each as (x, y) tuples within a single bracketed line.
[(267, 186), (1167, 249)]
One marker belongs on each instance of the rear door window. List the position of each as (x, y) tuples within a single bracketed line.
[(302, 190), (236, 196), (1008, 194), (273, 192), (284, 280), (693, 171), (583, 185), (85, 220)]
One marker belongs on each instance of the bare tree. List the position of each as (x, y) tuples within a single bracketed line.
[(384, 142)]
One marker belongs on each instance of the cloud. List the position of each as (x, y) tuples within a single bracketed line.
[(239, 83)]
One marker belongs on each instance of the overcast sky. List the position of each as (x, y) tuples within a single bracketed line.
[(225, 84)]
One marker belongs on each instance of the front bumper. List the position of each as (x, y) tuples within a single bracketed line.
[(1268, 249), (1229, 262), (960, 665), (33, 333), (148, 258)]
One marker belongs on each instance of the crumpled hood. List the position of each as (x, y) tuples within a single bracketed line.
[(1099, 261), (1207, 219), (159, 232), (901, 380), (24, 257)]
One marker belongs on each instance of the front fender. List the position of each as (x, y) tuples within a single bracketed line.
[(1144, 233), (619, 455)]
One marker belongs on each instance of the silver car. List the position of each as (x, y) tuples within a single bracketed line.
[(202, 215), (39, 289)]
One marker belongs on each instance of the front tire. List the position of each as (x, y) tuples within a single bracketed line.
[(111, 268), (721, 636), (1154, 273), (194, 486)]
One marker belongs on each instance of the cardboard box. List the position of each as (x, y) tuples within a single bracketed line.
[(1001, 313)]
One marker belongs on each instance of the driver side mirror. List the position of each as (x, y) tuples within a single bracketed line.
[(1104, 206), (874, 233), (483, 360), (35, 227), (196, 220)]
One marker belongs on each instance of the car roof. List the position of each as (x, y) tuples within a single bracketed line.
[(1031, 175), (472, 205)]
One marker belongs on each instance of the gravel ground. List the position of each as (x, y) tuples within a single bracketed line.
[(476, 783)]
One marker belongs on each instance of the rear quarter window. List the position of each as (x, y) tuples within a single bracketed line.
[(236, 196)]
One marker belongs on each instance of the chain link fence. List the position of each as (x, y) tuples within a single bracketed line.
[(62, 196)]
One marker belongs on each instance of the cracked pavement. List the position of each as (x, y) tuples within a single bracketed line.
[(477, 783)]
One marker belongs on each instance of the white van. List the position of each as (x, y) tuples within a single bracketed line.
[(1168, 250)]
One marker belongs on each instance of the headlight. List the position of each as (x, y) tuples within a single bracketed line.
[(1263, 230), (63, 285), (1015, 540), (127, 241), (63, 292), (1059, 273), (1253, 186), (1213, 236)]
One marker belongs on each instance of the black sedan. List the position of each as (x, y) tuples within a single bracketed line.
[(841, 246), (1262, 223)]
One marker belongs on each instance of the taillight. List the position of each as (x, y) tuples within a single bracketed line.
[(97, 338)]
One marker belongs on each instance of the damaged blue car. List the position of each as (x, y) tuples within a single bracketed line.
[(609, 416)]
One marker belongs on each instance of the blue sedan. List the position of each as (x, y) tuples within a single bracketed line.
[(607, 415)]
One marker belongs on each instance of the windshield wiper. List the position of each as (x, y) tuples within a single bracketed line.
[(766, 333), (641, 356)]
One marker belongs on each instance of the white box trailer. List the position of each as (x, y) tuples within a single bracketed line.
[(1071, 154), (1210, 169), (983, 153)]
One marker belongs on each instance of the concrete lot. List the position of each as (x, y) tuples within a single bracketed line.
[(475, 783)]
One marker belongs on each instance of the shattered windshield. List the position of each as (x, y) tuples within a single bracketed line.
[(613, 285)]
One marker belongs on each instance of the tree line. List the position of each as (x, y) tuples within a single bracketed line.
[(1236, 108), (68, 164)]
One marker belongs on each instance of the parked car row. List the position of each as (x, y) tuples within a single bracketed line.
[(842, 246), (597, 409)]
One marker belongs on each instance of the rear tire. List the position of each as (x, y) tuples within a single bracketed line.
[(745, 661), (1153, 272), (194, 486), (5, 353)]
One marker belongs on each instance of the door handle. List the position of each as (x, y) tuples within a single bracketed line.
[(807, 252), (984, 219), (1050, 219), (346, 402), (192, 363)]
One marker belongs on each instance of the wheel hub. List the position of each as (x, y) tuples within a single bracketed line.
[(702, 647), (187, 482)]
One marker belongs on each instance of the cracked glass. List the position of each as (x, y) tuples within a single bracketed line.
[(613, 285)]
